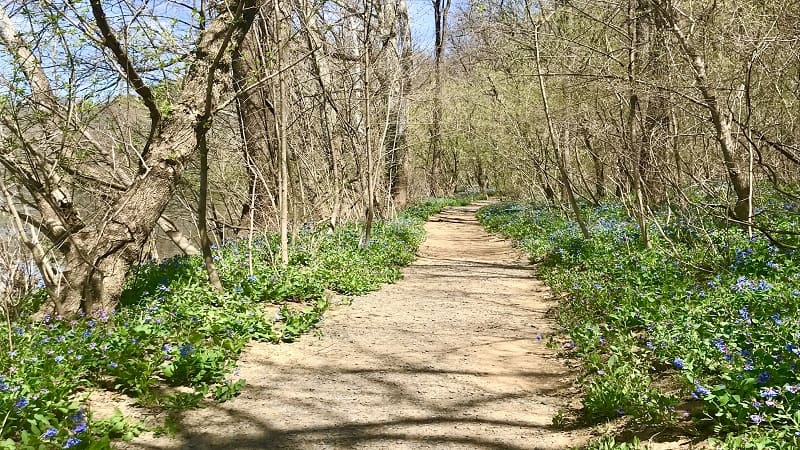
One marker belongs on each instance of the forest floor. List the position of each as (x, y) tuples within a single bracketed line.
[(452, 356)]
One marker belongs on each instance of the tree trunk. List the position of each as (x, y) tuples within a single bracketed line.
[(554, 140), (96, 267), (735, 162), (440, 11), (257, 126), (400, 54)]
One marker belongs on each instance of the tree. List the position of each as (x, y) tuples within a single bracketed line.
[(99, 250), (440, 11)]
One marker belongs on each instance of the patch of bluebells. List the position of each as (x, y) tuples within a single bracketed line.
[(743, 284), (734, 324)]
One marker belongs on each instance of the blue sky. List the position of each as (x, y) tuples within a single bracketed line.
[(421, 16)]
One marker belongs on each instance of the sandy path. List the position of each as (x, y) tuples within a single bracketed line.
[(446, 358)]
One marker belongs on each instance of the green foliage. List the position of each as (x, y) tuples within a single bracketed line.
[(425, 208), (610, 443), (704, 326)]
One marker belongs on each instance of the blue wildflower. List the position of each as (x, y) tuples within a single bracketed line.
[(71, 442), (769, 392), (49, 433), (745, 315), (78, 417), (21, 403), (720, 345), (79, 428), (700, 392), (763, 377), (186, 350), (678, 363), (756, 419)]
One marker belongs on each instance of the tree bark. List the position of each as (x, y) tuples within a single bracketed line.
[(101, 254), (256, 113), (440, 10), (735, 162)]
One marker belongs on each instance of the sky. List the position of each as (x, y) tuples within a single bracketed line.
[(420, 14)]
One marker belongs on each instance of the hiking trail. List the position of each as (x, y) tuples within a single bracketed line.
[(446, 358)]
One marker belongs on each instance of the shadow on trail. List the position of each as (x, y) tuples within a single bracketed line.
[(450, 357), (339, 431)]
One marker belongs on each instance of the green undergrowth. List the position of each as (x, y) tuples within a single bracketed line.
[(701, 332), (173, 342)]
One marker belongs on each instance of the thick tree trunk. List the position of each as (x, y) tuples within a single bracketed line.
[(96, 267)]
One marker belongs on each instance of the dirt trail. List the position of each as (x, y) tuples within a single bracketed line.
[(446, 358)]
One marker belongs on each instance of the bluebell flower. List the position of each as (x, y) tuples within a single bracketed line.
[(720, 345), (79, 428), (769, 392), (756, 419), (78, 417), (772, 265), (186, 349), (71, 442), (700, 392), (21, 403), (49, 433), (58, 359), (763, 377), (678, 363)]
